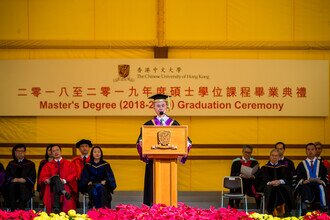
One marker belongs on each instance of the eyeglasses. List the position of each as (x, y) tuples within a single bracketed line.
[(20, 151), (160, 106), (248, 152)]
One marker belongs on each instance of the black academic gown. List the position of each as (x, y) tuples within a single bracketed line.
[(148, 178), (100, 195), (275, 195), (248, 184), (313, 192), (236, 171), (289, 165), (21, 191)]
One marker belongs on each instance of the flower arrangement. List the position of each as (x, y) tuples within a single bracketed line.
[(159, 212), (71, 215), (309, 216), (19, 215)]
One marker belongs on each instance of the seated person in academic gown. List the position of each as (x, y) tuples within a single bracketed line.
[(59, 178), (98, 180), (280, 146), (20, 179), (312, 181), (80, 161), (161, 119), (248, 181), (48, 157), (275, 181)]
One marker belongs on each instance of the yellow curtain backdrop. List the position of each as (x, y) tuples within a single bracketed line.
[(217, 29)]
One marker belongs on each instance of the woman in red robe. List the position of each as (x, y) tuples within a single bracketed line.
[(63, 170)]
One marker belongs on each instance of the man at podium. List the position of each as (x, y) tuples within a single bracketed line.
[(161, 119)]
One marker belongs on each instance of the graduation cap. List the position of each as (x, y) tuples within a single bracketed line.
[(159, 97), (84, 141), (162, 98)]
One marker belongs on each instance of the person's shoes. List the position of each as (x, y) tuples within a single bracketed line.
[(56, 210), (287, 214)]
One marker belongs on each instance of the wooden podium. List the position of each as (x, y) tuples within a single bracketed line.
[(164, 144)]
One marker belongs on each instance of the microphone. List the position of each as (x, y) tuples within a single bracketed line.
[(161, 113)]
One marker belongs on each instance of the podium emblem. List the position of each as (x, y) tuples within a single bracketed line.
[(164, 138)]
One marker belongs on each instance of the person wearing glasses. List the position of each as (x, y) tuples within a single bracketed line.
[(20, 179), (275, 180), (237, 167), (161, 105)]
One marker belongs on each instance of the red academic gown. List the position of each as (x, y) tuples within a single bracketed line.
[(67, 169), (79, 164)]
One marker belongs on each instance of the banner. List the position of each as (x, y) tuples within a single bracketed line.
[(198, 87)]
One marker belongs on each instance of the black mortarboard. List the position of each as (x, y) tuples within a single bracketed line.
[(84, 141), (159, 97)]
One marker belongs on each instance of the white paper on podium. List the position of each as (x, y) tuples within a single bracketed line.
[(249, 171)]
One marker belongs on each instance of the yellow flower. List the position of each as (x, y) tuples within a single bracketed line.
[(62, 214), (72, 213), (255, 215), (43, 214)]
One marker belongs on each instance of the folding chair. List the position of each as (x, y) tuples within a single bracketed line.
[(31, 201), (299, 205), (262, 203), (85, 203), (233, 182)]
